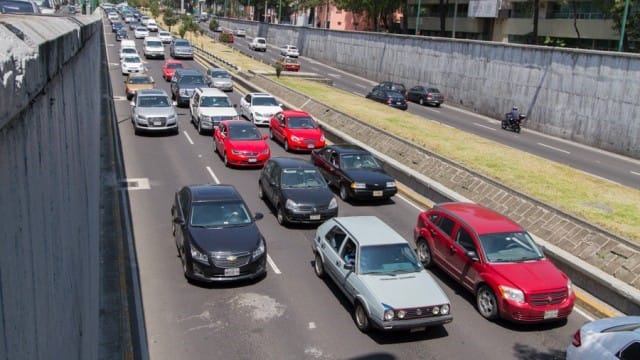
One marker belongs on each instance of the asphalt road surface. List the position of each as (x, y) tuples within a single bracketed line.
[(291, 314)]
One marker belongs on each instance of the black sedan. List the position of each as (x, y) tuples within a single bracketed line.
[(216, 235), (425, 95), (122, 34), (389, 97), (354, 172), (297, 191)]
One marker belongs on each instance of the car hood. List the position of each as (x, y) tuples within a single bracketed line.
[(137, 87), (156, 111), (221, 80), (249, 145), (405, 290), (266, 109), (319, 196), (189, 86), (532, 276), (369, 176), (233, 238), (217, 111), (314, 134)]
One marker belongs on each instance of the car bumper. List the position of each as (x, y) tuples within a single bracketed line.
[(412, 323), (310, 217), (249, 161), (526, 313), (183, 100), (156, 128), (183, 55), (261, 120), (132, 71), (304, 146), (208, 273), (367, 194), (155, 54), (223, 87), (401, 106)]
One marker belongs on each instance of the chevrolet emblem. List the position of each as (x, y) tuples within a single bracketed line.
[(232, 258)]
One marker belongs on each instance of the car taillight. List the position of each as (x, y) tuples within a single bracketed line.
[(429, 96), (389, 101), (576, 339)]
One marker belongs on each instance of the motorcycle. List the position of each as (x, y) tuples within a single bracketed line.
[(509, 123)]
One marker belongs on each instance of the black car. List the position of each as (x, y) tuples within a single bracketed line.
[(425, 95), (122, 34), (297, 191), (216, 235), (393, 86), (115, 26), (354, 172), (183, 83), (389, 97)]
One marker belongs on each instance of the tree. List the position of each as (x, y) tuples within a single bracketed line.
[(615, 8), (536, 10), (213, 24), (155, 9), (169, 18), (188, 25), (443, 9), (378, 11)]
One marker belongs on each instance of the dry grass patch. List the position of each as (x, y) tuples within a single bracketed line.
[(598, 201)]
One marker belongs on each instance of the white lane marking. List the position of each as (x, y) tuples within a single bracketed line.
[(484, 126), (215, 178), (635, 173), (120, 98), (273, 265), (114, 64), (334, 75), (583, 313), (410, 202), (434, 110), (554, 148), (305, 103), (314, 68), (312, 325), (361, 86), (188, 137), (136, 184)]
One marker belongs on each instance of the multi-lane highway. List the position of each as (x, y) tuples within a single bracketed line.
[(291, 314), (619, 169)]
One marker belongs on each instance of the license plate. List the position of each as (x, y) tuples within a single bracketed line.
[(232, 272), (157, 123), (418, 329), (377, 193), (551, 314), (252, 160), (314, 217), (310, 146), (399, 103)]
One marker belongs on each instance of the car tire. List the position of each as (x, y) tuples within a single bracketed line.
[(260, 191), (517, 130), (282, 220), (251, 119), (438, 105), (421, 101), (183, 260), (225, 159), (200, 127), (425, 255), (136, 131), (271, 136), (487, 303), (286, 145), (361, 318), (318, 266), (344, 193)]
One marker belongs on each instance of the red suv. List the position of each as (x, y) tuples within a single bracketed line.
[(497, 260)]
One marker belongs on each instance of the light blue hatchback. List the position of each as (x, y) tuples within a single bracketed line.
[(378, 271)]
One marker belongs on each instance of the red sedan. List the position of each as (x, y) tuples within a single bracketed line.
[(240, 143), (495, 259), (169, 67), (296, 130)]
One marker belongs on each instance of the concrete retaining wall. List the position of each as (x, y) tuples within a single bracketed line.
[(590, 97), (598, 261), (49, 187)]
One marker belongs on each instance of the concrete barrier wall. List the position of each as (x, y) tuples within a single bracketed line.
[(49, 187), (590, 97)]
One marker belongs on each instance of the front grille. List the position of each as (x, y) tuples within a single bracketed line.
[(249, 153), (230, 260), (310, 141), (311, 208), (217, 119), (376, 186), (157, 121), (417, 313), (549, 298)]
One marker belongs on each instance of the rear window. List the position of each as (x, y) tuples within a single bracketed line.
[(154, 43)]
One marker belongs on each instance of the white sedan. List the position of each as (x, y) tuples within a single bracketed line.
[(127, 51), (612, 338), (289, 50), (141, 32), (131, 64), (165, 37)]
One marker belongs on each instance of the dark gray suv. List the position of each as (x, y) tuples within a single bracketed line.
[(183, 84)]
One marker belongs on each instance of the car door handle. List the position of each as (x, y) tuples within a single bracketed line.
[(453, 249)]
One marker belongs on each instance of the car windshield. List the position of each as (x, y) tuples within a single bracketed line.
[(164, 33), (175, 66), (301, 178), (154, 43), (10, 6), (302, 123), (192, 79), (388, 259), (215, 101), (358, 161), (244, 132), (153, 101), (510, 247), (140, 80), (220, 75), (132, 59), (181, 43), (141, 29), (219, 214), (264, 101)]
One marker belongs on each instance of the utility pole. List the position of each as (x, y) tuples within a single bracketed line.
[(418, 18), (279, 11), (624, 23), (265, 11)]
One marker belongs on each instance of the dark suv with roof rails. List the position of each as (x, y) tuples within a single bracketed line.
[(183, 84)]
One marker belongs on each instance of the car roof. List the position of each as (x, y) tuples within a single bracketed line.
[(481, 219), (261, 94), (290, 162), (211, 192), (150, 92), (295, 113), (369, 230), (347, 148), (239, 123), (211, 92), (187, 72)]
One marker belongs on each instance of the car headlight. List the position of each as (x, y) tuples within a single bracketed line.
[(391, 184), (357, 185), (261, 114), (569, 287), (510, 293), (171, 117), (259, 250), (435, 310), (291, 205), (295, 138), (333, 203), (141, 118), (236, 152), (266, 151), (401, 314), (388, 315), (197, 255), (444, 309), (205, 118)]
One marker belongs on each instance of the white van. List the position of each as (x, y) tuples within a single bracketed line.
[(153, 47), (127, 47)]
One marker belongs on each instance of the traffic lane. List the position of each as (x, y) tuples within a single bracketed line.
[(616, 168), (275, 247)]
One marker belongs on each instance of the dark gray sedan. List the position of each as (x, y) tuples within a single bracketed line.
[(424, 95)]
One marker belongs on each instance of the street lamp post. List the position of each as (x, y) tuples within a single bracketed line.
[(624, 22), (418, 18), (279, 11)]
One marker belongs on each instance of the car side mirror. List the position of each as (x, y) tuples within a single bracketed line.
[(542, 248), (472, 255), (175, 103), (178, 220), (132, 103), (258, 216), (348, 267), (235, 105)]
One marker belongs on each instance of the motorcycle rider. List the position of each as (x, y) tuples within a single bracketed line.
[(514, 115)]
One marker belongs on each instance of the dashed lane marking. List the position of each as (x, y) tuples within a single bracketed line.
[(554, 148), (215, 178), (135, 184), (484, 126), (273, 265), (188, 137)]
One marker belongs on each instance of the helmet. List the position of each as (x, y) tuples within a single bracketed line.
[(515, 108)]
